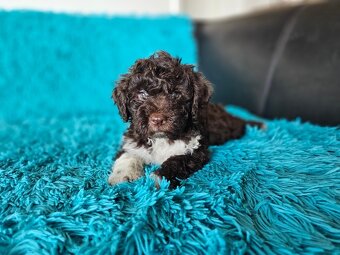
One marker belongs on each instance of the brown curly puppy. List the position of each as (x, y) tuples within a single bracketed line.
[(171, 120)]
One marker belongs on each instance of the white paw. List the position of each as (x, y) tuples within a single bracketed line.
[(126, 169), (122, 175)]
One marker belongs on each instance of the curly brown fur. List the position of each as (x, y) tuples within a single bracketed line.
[(171, 120)]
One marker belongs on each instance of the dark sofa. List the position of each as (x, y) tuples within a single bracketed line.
[(277, 63)]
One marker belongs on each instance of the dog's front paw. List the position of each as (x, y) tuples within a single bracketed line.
[(157, 176), (126, 169), (120, 176)]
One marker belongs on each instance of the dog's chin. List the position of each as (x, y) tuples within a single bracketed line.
[(158, 135)]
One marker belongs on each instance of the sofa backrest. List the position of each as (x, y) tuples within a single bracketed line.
[(280, 63)]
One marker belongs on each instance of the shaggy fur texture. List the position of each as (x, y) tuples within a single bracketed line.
[(66, 64), (171, 120), (273, 192)]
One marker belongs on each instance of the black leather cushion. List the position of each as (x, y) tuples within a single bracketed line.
[(279, 63)]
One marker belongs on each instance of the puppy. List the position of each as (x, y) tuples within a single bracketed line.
[(171, 120)]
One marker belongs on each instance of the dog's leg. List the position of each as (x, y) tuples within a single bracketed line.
[(223, 126), (126, 168), (237, 126), (181, 166)]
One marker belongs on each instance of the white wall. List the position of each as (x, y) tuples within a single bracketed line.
[(110, 7), (197, 9), (215, 9)]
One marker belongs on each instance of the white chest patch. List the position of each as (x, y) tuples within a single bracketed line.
[(160, 149)]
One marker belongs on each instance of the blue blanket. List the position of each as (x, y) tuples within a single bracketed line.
[(271, 192)]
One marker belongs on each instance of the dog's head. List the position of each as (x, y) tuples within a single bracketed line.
[(161, 96)]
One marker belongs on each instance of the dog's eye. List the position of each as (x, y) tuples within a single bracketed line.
[(175, 94), (142, 94)]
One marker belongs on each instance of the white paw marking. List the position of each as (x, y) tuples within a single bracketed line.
[(126, 168)]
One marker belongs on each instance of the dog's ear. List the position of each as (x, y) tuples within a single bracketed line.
[(120, 97), (202, 93)]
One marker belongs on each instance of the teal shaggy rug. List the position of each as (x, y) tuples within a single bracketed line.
[(271, 192)]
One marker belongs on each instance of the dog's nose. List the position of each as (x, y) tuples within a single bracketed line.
[(157, 119)]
